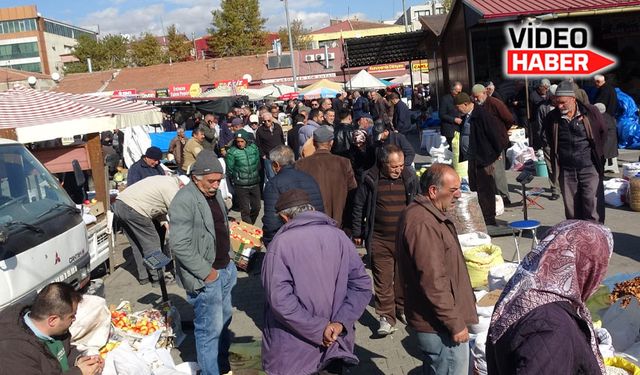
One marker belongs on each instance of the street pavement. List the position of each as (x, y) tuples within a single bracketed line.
[(397, 353)]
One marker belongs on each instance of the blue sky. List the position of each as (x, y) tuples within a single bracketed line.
[(194, 16)]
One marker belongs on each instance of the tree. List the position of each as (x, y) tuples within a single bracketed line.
[(146, 51), (109, 52), (446, 4), (299, 35), (178, 48), (238, 29)]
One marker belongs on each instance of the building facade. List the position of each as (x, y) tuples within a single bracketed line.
[(33, 43)]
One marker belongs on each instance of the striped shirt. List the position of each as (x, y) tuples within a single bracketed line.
[(391, 200)]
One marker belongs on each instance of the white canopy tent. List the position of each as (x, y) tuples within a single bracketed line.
[(364, 80), (405, 79)]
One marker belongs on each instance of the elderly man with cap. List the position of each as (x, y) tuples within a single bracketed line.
[(333, 173), (314, 294), (482, 140), (576, 135), (243, 164), (199, 239), (142, 210), (501, 112), (148, 165), (365, 122), (383, 135), (539, 144), (268, 136), (192, 148)]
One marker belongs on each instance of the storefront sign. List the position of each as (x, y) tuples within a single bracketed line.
[(232, 82), (147, 94), (420, 67), (179, 90), (124, 93), (299, 78), (386, 68), (552, 50), (162, 93), (195, 90)]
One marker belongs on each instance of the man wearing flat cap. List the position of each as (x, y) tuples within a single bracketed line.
[(148, 165), (199, 239), (313, 293), (333, 173), (576, 134)]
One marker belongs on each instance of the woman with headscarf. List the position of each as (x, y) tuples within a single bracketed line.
[(540, 324)]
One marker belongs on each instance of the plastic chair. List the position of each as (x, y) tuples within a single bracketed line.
[(519, 227)]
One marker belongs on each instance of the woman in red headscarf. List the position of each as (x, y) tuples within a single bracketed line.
[(540, 324)]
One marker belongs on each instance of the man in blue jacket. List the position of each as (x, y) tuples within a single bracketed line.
[(287, 178), (148, 165), (401, 115)]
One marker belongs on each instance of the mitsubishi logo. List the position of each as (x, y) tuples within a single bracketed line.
[(57, 258)]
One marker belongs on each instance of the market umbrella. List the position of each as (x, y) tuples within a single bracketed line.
[(364, 80), (289, 96), (319, 93), (44, 115), (323, 83)]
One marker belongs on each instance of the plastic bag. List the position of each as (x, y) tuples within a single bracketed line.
[(500, 275), (628, 122), (90, 331), (479, 261), (124, 361), (520, 153), (499, 205), (623, 324), (473, 239), (467, 214), (622, 363)]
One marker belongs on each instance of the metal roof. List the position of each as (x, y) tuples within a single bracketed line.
[(391, 48), (511, 8)]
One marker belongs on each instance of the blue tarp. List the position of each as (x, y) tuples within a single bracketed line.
[(162, 140), (628, 122)]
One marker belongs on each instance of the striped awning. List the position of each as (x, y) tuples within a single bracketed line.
[(44, 115)]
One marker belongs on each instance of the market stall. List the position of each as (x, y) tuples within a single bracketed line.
[(364, 81)]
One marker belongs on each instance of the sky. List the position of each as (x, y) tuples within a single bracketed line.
[(134, 17)]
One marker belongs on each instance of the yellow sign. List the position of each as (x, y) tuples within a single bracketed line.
[(423, 66), (386, 67), (195, 90)]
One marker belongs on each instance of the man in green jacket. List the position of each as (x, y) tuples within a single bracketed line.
[(243, 162), (199, 239)]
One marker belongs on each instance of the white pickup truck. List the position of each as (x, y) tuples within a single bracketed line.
[(42, 236)]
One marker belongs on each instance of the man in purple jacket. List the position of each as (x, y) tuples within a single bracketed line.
[(315, 287)]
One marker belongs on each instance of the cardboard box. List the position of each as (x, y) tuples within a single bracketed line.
[(246, 241)]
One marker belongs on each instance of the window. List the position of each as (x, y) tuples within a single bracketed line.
[(18, 26), (19, 51), (30, 67), (67, 31)]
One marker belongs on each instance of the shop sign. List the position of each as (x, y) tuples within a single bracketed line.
[(420, 67), (147, 94), (232, 82), (299, 78), (162, 93), (124, 93), (195, 90), (179, 90), (386, 68), (552, 50)]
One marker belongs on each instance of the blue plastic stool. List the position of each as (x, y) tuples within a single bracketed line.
[(520, 226)]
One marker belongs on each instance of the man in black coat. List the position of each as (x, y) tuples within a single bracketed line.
[(383, 135), (606, 95), (287, 178), (485, 147), (401, 115), (450, 118)]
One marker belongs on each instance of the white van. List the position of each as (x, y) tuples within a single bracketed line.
[(42, 236)]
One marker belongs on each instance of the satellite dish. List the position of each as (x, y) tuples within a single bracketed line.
[(55, 76), (32, 80), (247, 77)]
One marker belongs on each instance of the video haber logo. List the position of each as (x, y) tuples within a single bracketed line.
[(551, 50)]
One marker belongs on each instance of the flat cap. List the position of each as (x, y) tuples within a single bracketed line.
[(206, 163), (292, 198), (323, 134)]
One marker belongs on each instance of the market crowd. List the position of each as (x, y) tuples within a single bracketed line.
[(333, 174)]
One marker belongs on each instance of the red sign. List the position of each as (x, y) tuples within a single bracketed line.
[(179, 90), (555, 62), (124, 93), (147, 94), (232, 82)]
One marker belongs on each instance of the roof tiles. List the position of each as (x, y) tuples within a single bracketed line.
[(511, 8)]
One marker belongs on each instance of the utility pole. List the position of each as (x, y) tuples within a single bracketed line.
[(291, 50), (406, 22)]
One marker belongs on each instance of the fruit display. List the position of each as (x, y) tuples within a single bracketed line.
[(246, 234), (421, 171), (138, 324), (625, 291), (108, 347)]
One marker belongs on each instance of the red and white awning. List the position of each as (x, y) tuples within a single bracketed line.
[(43, 115)]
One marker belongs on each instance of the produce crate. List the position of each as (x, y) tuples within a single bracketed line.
[(246, 242)]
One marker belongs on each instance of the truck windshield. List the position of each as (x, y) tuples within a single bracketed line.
[(28, 192)]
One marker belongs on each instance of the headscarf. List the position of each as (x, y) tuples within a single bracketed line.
[(567, 265)]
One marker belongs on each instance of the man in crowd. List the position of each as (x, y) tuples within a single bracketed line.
[(381, 107), (401, 115), (211, 131), (387, 189), (576, 135), (252, 125), (383, 135), (36, 339), (176, 147), (243, 164), (439, 303), (365, 122), (333, 173), (343, 134), (268, 136), (314, 294), (505, 121), (450, 118), (325, 104), (225, 135), (305, 133), (287, 178), (329, 117), (148, 165), (486, 141), (140, 208), (360, 105), (193, 148), (606, 95), (539, 96), (539, 142), (199, 239), (292, 135), (492, 92)]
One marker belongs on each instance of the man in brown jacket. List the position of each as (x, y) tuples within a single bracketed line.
[(333, 173), (439, 301)]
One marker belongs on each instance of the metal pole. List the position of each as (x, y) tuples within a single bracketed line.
[(406, 22), (291, 51)]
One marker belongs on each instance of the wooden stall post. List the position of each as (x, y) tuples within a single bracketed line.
[(94, 149)]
